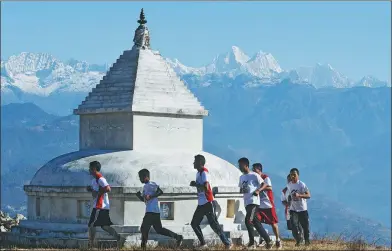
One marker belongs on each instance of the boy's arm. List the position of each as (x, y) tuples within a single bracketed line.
[(263, 185), (139, 196), (158, 193), (305, 194), (103, 186)]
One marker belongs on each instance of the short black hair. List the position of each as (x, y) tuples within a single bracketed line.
[(258, 166), (201, 159), (294, 170), (95, 164), (288, 176), (244, 160), (144, 173)]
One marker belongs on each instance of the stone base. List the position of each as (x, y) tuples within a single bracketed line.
[(54, 235)]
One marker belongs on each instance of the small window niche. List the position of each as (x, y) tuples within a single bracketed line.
[(167, 210), (230, 209), (83, 210), (38, 207)]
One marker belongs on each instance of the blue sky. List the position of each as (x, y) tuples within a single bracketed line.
[(354, 37)]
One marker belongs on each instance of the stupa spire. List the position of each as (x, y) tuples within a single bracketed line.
[(142, 35), (142, 19)]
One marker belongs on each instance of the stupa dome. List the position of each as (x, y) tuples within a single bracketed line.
[(167, 168)]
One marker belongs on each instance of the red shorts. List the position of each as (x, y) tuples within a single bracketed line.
[(267, 216)]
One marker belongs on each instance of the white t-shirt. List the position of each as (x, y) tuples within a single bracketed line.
[(150, 188), (249, 183), (297, 204), (203, 196), (285, 197), (266, 195), (100, 202)]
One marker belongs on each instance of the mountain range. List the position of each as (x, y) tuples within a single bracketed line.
[(43, 74)]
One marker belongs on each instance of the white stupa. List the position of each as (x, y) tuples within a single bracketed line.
[(140, 115)]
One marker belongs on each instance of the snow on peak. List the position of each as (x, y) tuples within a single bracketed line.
[(42, 74), (239, 55), (323, 75), (371, 81), (26, 62), (181, 69), (262, 64), (227, 62)]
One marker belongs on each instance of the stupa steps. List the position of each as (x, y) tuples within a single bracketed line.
[(121, 96), (127, 94), (130, 236), (142, 106), (130, 241), (143, 91), (80, 230), (120, 78), (111, 105), (129, 100)]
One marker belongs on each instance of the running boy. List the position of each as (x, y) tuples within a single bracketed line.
[(251, 184), (151, 192), (267, 212), (299, 216), (100, 214), (205, 207), (286, 199)]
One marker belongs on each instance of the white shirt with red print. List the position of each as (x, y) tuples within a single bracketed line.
[(101, 201), (203, 196), (266, 196)]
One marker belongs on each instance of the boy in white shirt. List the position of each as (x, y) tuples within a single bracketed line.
[(267, 211), (100, 214), (299, 216), (205, 207), (150, 194), (251, 184)]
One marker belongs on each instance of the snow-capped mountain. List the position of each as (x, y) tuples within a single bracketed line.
[(323, 75), (371, 81), (43, 75), (233, 63)]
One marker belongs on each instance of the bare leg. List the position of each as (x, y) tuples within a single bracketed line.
[(275, 228)]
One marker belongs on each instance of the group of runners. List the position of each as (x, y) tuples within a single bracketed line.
[(255, 186)]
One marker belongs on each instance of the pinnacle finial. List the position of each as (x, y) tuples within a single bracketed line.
[(142, 19)]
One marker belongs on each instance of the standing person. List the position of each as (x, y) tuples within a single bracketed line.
[(299, 216), (251, 184), (151, 192), (100, 214), (267, 213), (205, 207)]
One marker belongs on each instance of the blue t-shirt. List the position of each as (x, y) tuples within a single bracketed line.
[(150, 188)]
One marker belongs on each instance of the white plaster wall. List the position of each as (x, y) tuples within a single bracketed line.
[(60, 208), (164, 132), (110, 131), (183, 212), (133, 213)]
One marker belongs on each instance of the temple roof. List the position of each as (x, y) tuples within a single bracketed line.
[(141, 81)]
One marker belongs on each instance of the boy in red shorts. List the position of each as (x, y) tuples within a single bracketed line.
[(267, 212)]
